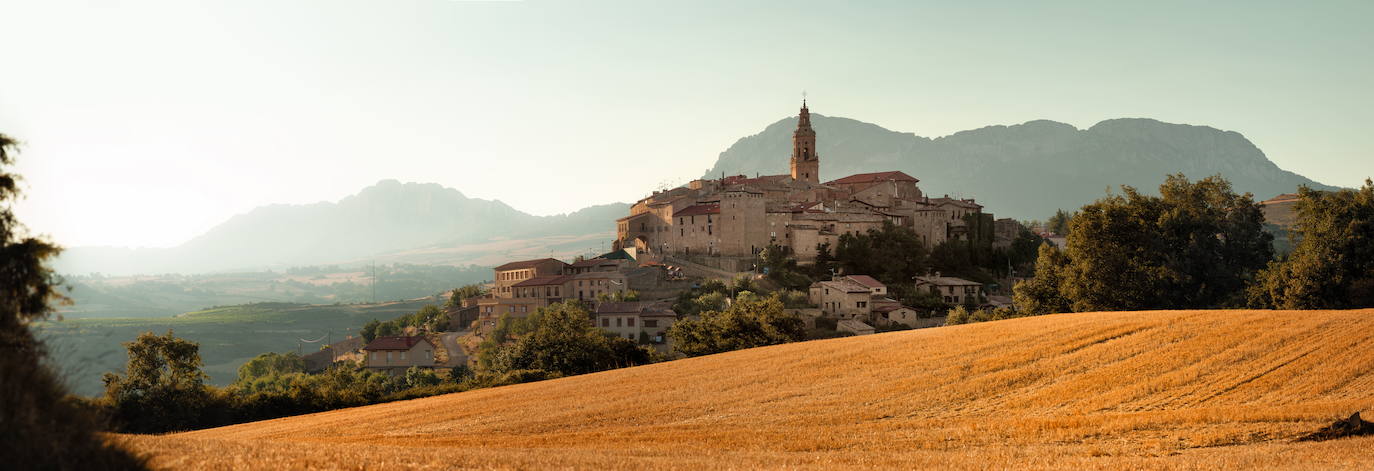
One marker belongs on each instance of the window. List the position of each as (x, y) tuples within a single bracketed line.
[(429, 355), (630, 322), (388, 357), (605, 322), (617, 322), (403, 356), (374, 356), (861, 304), (650, 323)]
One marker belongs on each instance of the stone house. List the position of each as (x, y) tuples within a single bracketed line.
[(638, 321), (854, 326), (399, 352), (952, 290), (841, 298)]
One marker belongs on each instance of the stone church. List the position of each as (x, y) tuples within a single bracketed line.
[(736, 217)]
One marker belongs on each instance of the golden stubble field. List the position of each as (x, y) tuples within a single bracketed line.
[(1126, 390)]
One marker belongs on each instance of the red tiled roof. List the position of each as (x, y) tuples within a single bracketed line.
[(395, 342), (698, 209), (526, 264), (875, 177), (867, 281), (543, 281)]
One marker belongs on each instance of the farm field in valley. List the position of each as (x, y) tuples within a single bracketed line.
[(1157, 389)]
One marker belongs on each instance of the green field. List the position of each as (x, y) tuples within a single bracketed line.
[(84, 349)]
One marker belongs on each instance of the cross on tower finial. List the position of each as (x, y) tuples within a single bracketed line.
[(803, 97)]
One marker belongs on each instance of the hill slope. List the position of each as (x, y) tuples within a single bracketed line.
[(1028, 170), (381, 219), (1175, 389)]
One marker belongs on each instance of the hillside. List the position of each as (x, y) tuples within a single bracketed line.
[(83, 349), (1024, 171), (1163, 389), (381, 221)]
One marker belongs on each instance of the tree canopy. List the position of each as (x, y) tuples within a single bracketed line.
[(1194, 246), (1332, 263), (751, 321)]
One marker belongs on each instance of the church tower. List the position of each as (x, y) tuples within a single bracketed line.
[(806, 165)]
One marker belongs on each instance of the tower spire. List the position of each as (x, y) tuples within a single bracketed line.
[(805, 161)]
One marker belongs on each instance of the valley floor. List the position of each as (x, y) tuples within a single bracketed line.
[(1163, 389)]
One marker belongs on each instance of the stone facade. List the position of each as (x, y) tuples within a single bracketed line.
[(738, 216)]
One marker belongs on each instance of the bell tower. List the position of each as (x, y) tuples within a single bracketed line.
[(806, 164)]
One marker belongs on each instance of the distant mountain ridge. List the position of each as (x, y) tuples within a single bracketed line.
[(1025, 171), (387, 217)]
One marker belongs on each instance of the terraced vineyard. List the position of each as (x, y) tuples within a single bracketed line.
[(1164, 389)]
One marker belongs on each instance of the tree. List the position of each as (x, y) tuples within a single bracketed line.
[(466, 291), (1332, 263), (1059, 222), (892, 254), (749, 322), (1194, 246), (42, 428), (269, 364), (163, 387), (1043, 294), (558, 339), (369, 330)]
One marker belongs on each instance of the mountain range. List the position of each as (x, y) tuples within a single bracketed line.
[(1025, 171), (386, 219)]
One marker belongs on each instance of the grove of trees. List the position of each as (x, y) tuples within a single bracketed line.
[(1332, 262), (750, 321), (1197, 245)]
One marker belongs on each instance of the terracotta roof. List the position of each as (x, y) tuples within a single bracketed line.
[(395, 342), (543, 281), (867, 281), (526, 264), (698, 209), (874, 177)]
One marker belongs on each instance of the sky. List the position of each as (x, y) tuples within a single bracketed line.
[(146, 123)]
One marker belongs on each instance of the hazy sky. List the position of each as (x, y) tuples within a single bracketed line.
[(146, 123)]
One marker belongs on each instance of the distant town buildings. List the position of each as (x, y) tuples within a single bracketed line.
[(733, 218)]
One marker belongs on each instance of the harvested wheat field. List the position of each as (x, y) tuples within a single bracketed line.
[(1159, 390)]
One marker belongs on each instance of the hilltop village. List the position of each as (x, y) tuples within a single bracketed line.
[(732, 219), (719, 229)]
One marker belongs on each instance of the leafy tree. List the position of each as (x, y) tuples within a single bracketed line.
[(163, 385), (1059, 222), (749, 322), (417, 377), (561, 340), (892, 254), (369, 330), (466, 291), (1044, 294), (1194, 246), (270, 363), (41, 428), (1332, 263)]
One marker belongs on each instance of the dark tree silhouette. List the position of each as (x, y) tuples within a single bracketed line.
[(42, 427)]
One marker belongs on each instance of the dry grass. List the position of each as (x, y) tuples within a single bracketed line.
[(1173, 390)]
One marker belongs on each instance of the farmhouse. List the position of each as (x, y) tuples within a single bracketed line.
[(952, 290), (399, 352)]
